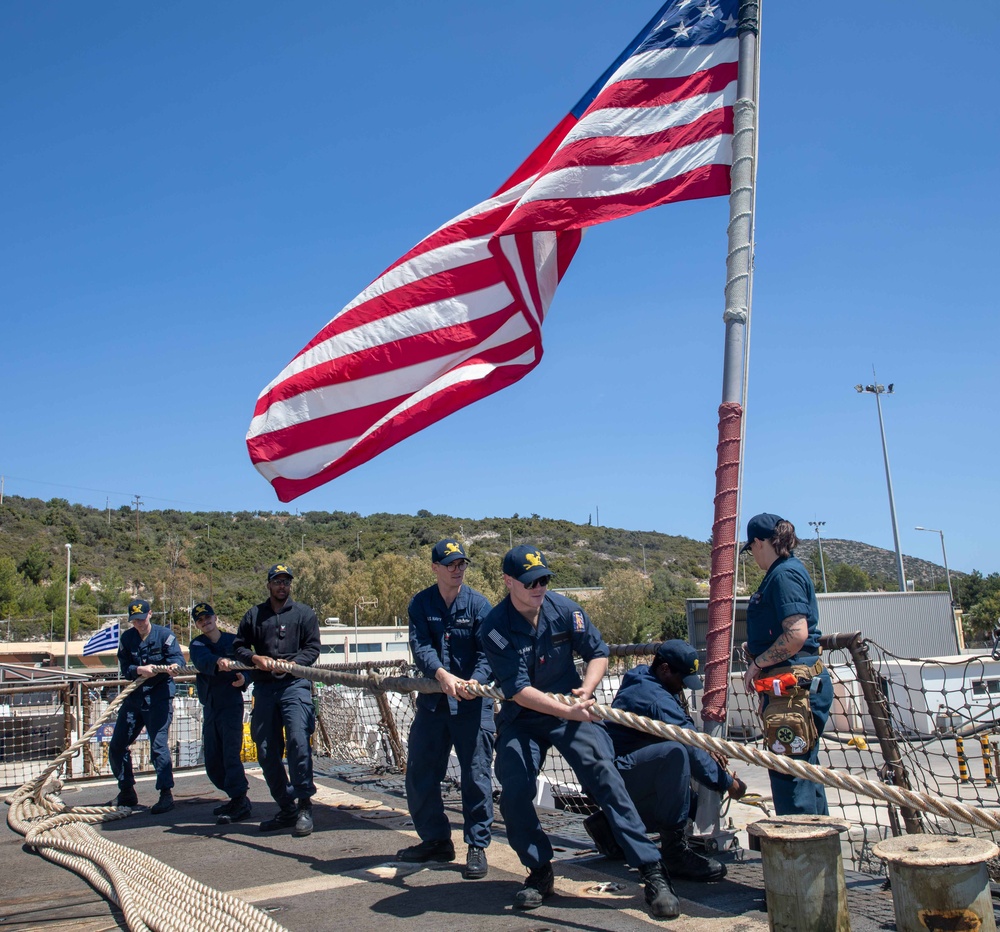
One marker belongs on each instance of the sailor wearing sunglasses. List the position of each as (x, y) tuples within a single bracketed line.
[(530, 639)]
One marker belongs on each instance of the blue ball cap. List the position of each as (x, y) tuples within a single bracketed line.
[(682, 658), (448, 551), (525, 564), (760, 527), (202, 609), (137, 608), (279, 569)]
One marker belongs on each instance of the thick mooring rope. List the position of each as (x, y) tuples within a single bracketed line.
[(899, 796), (151, 894), (154, 896)]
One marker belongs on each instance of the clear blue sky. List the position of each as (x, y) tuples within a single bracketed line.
[(191, 190)]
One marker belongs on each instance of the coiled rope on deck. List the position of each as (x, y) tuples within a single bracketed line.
[(152, 895)]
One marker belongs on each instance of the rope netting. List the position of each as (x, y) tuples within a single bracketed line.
[(150, 894), (911, 745), (890, 760)]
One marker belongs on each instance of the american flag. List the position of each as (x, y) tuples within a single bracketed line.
[(460, 315), (105, 639)]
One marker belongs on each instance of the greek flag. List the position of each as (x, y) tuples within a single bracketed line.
[(105, 639)]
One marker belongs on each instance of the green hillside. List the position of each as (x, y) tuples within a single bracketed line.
[(344, 562)]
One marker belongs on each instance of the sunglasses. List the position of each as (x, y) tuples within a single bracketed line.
[(541, 581), (457, 564)]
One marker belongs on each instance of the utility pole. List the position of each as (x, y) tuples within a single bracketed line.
[(69, 550), (211, 595), (819, 543), (944, 553), (107, 504), (136, 501)]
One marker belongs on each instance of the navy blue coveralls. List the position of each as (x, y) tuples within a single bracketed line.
[(658, 772), (283, 712), (451, 638), (150, 706), (785, 590), (542, 657), (222, 729)]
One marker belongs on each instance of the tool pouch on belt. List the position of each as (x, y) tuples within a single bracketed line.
[(787, 719)]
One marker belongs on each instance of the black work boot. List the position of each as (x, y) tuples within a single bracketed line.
[(540, 884), (285, 817), (476, 866), (439, 850), (598, 828), (680, 861), (663, 902), (125, 797), (239, 809), (224, 808), (164, 804), (304, 819)]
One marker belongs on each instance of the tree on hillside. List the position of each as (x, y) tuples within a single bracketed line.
[(35, 566), (620, 608), (982, 619), (110, 592), (10, 587), (391, 579), (842, 577), (317, 573)]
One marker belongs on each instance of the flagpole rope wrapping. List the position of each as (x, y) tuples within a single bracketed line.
[(152, 895)]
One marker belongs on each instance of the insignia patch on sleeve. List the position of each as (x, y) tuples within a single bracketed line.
[(578, 623), (170, 639), (497, 638)]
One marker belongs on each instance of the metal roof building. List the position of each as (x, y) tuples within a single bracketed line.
[(907, 624)]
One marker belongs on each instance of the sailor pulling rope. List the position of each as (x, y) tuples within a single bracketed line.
[(141, 886)]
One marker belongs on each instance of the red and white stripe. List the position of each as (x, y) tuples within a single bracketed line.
[(436, 331), (660, 130), (459, 316)]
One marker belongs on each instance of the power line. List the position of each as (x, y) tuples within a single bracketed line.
[(84, 488)]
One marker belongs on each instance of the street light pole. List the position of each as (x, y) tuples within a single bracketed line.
[(944, 553), (819, 543), (878, 390), (69, 550)]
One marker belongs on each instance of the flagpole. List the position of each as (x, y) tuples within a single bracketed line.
[(69, 550), (738, 293)]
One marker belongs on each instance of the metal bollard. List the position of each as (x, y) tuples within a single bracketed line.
[(984, 743), (963, 767), (939, 882), (803, 873)]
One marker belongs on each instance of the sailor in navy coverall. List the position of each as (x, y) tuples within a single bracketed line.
[(658, 772), (141, 647), (221, 695), (283, 716), (530, 639), (445, 637), (783, 628)]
